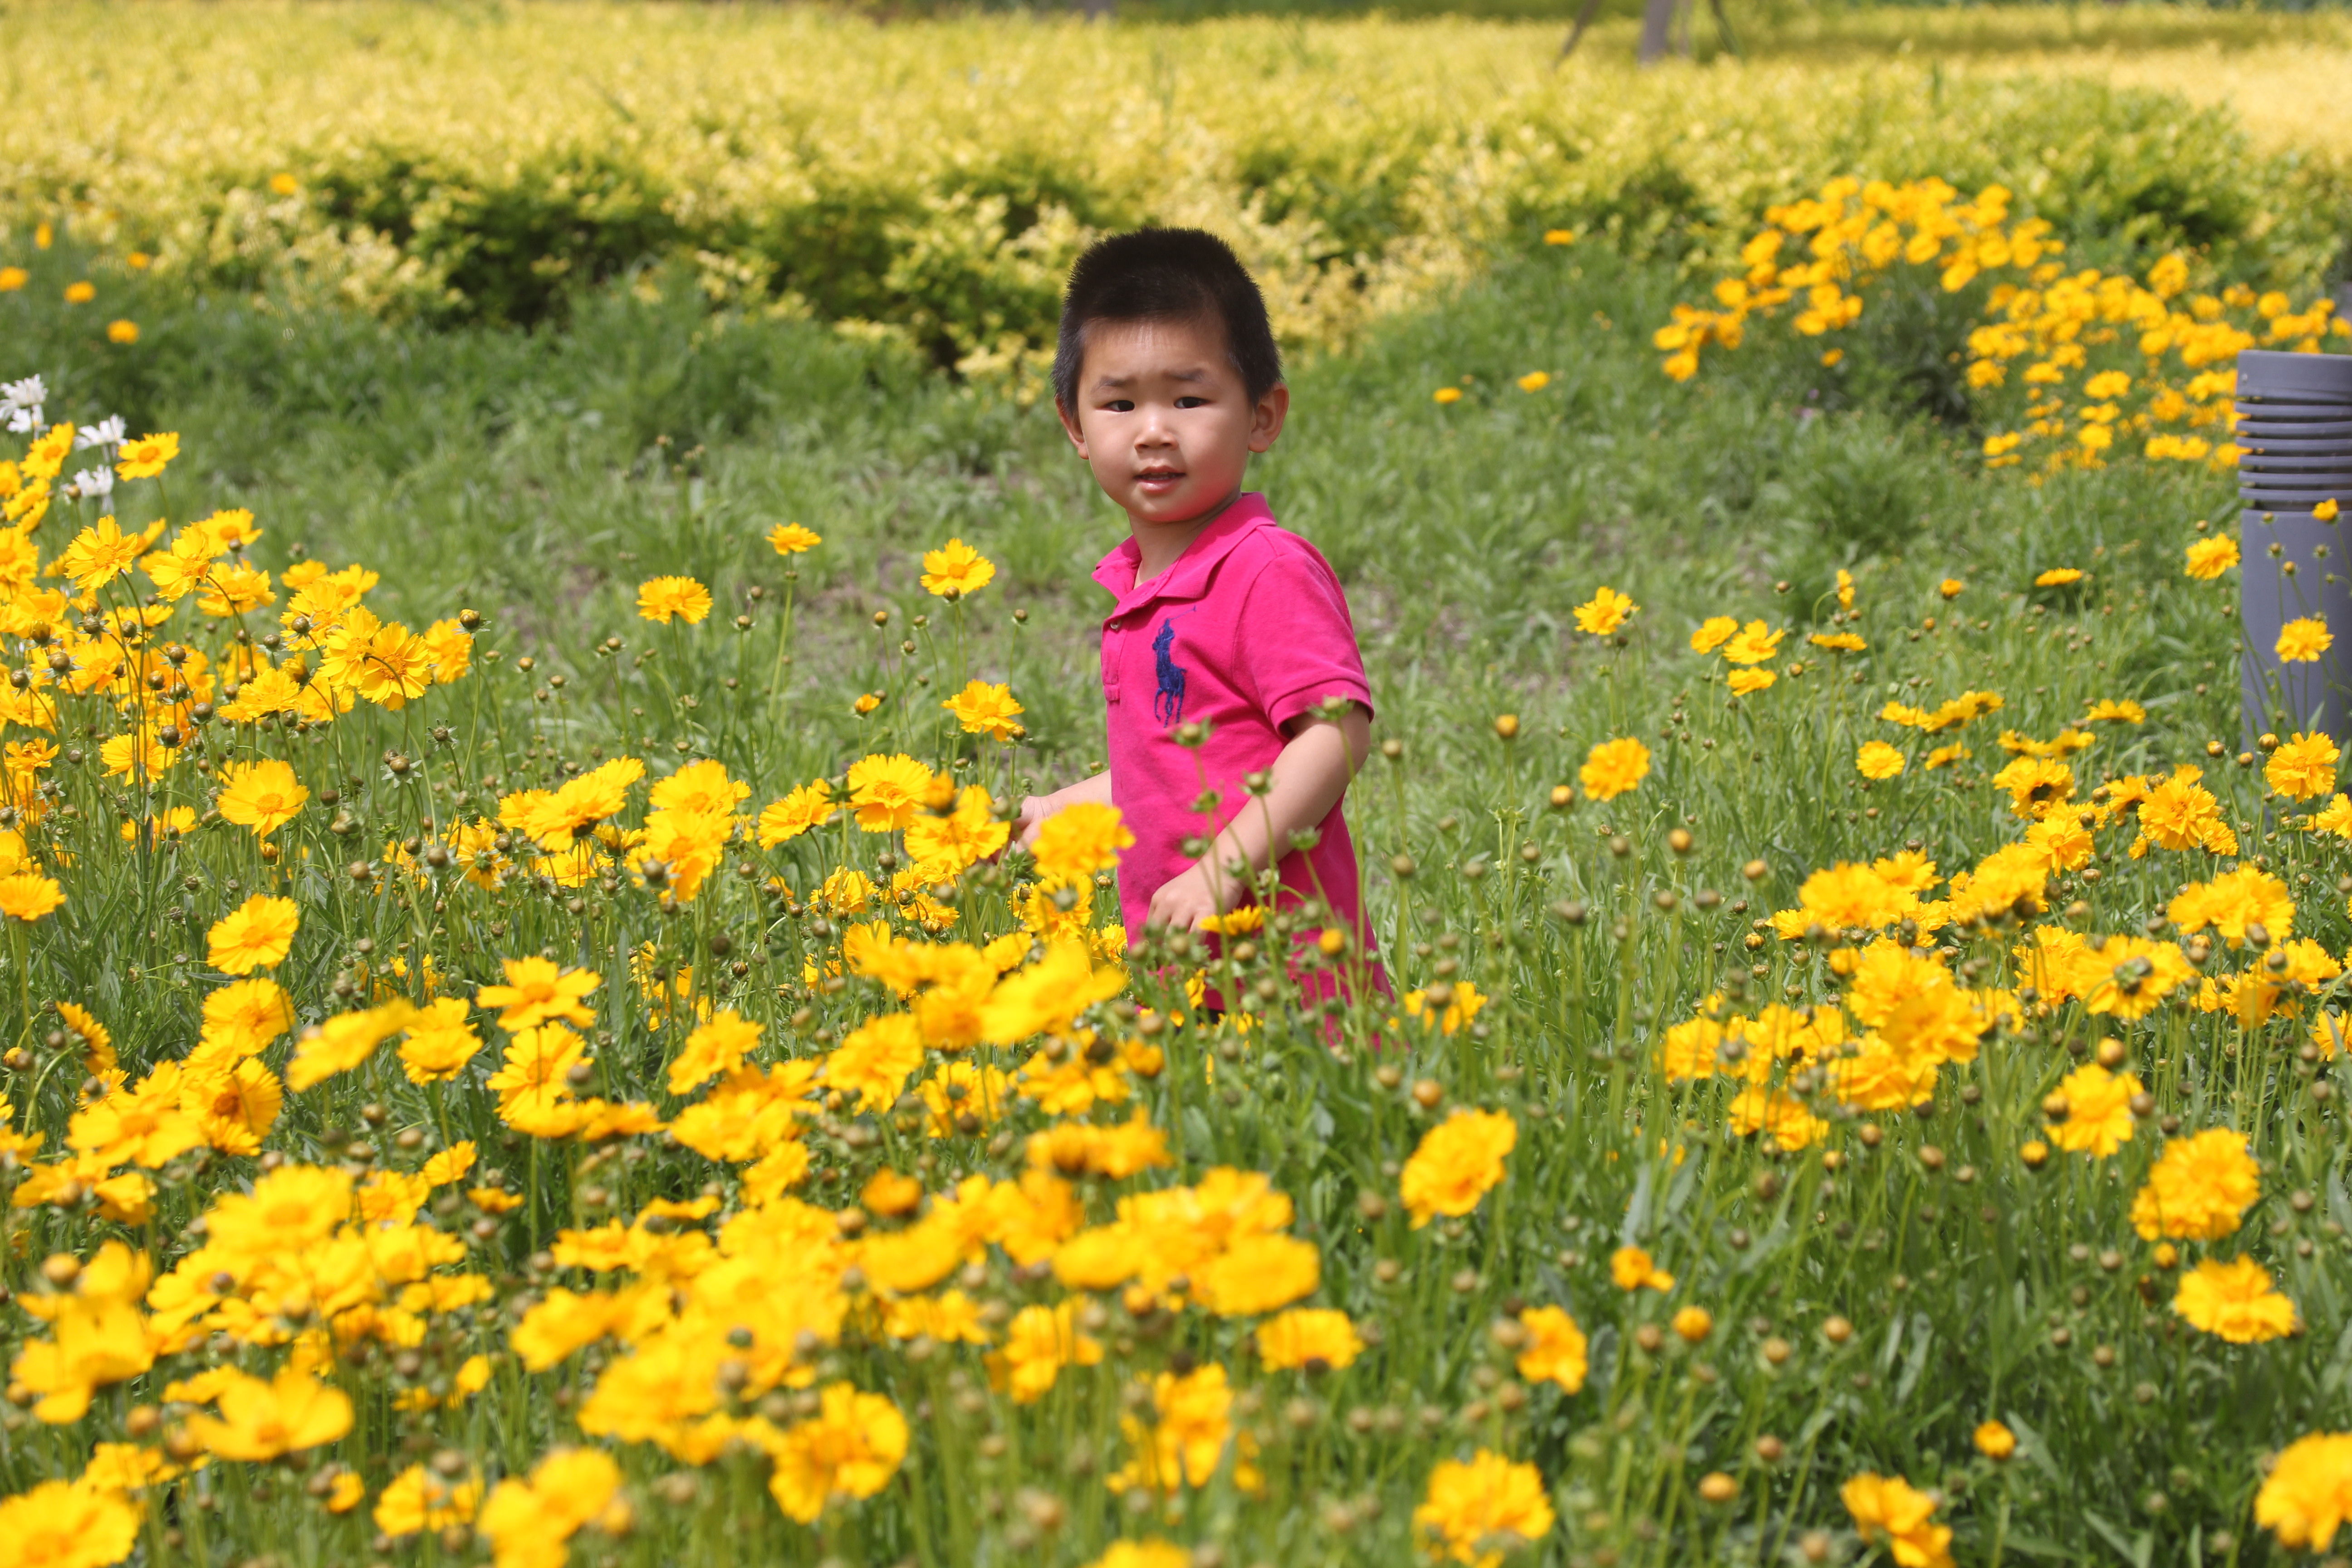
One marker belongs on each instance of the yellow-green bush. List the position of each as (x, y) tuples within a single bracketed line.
[(935, 179)]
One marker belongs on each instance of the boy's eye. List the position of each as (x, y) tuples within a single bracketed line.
[(1192, 403), (1120, 406)]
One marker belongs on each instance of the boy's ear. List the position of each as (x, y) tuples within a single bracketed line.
[(1070, 427), (1265, 419)]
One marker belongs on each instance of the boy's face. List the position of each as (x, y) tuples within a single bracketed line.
[(1163, 420)]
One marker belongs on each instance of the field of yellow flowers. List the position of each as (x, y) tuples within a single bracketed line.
[(1862, 1083), (522, 1041)]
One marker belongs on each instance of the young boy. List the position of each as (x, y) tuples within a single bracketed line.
[(1167, 378)]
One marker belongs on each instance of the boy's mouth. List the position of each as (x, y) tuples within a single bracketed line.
[(1158, 479)]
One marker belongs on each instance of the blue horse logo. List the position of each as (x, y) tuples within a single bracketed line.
[(1168, 702)]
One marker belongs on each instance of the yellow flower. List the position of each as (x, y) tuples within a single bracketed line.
[(1713, 633), (2307, 1495), (538, 992), (2099, 1117), (1950, 587), (121, 331), (1692, 1324), (1877, 760), (885, 791), (809, 807), (1780, 1117), (2233, 901), (1446, 395), (67, 1524), (1188, 1439), (147, 457), (1555, 1351), (665, 598), (256, 934), (342, 1042), (2034, 785), (565, 816), (874, 1061), (1475, 1510), (2325, 510), (1079, 840), (1039, 1342), (945, 844), (1466, 1001), (1748, 682), (27, 896), (46, 456), (1560, 236), (527, 1522), (956, 571), (1994, 1441), (792, 539), (1314, 1338), (263, 796), (81, 292), (850, 1448), (1150, 1553), (714, 1049), (439, 1042), (2303, 639), (1752, 644), (1535, 381), (289, 1209), (1458, 1162), (388, 665), (1259, 1274), (2199, 1189), (1614, 767), (100, 553), (2208, 558), (259, 1421), (980, 709), (418, 1499), (1604, 613), (2235, 1301), (2303, 767), (1631, 1268), (1892, 1507)]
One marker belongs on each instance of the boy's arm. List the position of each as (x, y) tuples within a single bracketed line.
[(1309, 778), (1036, 808)]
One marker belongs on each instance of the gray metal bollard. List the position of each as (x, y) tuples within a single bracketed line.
[(2295, 432)]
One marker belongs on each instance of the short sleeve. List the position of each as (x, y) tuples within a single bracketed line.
[(1296, 640)]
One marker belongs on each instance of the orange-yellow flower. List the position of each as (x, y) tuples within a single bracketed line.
[(256, 934), (664, 599)]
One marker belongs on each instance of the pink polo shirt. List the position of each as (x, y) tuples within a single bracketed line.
[(1245, 632)]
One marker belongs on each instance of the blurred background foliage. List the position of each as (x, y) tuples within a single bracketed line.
[(483, 164)]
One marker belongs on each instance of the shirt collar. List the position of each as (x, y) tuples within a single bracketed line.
[(1187, 577)]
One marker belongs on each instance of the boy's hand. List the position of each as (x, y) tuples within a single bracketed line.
[(1034, 810), (1184, 902)]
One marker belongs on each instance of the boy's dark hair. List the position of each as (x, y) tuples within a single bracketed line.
[(1166, 275)]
